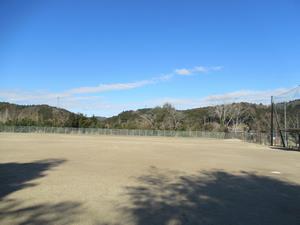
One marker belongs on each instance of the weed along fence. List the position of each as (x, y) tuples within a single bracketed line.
[(260, 138)]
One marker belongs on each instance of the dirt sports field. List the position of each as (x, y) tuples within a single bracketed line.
[(103, 180)]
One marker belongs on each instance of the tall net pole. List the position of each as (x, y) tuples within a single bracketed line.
[(285, 117), (272, 121), (285, 125)]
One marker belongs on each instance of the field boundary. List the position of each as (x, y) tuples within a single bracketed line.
[(259, 138)]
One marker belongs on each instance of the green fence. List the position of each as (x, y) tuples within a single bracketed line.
[(260, 138)]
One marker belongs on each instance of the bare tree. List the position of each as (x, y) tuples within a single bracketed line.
[(240, 115), (231, 115), (224, 113), (173, 118), (149, 118)]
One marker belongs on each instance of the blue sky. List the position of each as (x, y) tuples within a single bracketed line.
[(103, 57)]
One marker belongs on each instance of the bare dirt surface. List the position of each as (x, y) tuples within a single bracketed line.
[(109, 180)]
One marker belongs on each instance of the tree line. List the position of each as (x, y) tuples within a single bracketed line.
[(223, 117)]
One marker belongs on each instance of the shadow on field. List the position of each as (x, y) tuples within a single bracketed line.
[(212, 198), (16, 176), (17, 212)]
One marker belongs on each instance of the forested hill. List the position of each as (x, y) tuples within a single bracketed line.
[(43, 115), (236, 116)]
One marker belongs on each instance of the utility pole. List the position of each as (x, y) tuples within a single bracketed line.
[(57, 105)]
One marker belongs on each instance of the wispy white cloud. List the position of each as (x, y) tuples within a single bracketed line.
[(44, 96), (183, 71), (251, 96), (81, 99), (217, 68), (109, 87), (246, 96), (117, 86), (93, 104), (197, 69), (87, 98), (30, 96)]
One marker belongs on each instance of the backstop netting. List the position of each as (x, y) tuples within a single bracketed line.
[(285, 119)]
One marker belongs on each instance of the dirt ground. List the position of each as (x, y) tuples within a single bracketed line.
[(110, 180)]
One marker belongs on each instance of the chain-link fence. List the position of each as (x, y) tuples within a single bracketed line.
[(260, 138)]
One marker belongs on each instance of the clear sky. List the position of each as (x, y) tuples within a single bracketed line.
[(103, 57)]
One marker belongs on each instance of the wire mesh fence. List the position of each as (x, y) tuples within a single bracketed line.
[(259, 138), (285, 121)]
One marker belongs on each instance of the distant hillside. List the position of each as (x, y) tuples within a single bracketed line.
[(42, 115), (33, 114), (236, 116)]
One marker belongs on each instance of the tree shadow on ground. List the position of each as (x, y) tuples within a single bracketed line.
[(16, 212), (213, 198), (16, 176)]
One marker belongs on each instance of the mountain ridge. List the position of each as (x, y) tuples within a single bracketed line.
[(235, 116)]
